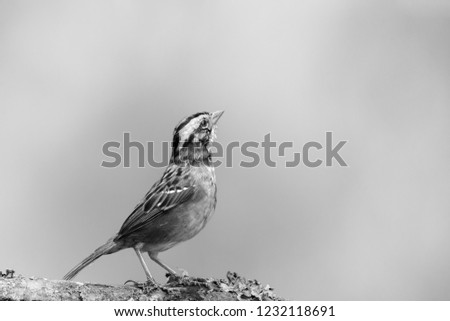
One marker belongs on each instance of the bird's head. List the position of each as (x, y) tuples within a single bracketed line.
[(193, 135)]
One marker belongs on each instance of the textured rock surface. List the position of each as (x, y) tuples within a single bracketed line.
[(185, 288)]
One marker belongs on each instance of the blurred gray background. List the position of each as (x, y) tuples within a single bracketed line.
[(76, 74)]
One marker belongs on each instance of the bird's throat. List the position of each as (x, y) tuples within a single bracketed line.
[(192, 153)]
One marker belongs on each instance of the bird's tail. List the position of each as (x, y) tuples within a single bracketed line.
[(107, 248)]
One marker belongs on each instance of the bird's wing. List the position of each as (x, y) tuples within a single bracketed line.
[(164, 195)]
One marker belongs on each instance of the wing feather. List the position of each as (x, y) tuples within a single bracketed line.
[(163, 196)]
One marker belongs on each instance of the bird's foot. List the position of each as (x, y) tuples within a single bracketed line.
[(143, 285), (172, 277)]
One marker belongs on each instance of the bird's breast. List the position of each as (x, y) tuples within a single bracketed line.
[(197, 212)]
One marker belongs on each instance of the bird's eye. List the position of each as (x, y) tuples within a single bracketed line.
[(204, 123)]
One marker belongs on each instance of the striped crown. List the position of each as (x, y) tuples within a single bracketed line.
[(193, 136)]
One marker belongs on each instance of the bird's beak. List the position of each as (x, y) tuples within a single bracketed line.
[(216, 115)]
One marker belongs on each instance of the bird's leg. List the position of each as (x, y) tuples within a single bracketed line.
[(146, 270), (150, 278), (154, 257)]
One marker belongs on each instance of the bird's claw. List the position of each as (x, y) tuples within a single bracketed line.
[(176, 277), (142, 285)]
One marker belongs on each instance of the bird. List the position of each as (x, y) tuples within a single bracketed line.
[(178, 206)]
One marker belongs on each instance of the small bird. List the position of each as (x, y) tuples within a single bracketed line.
[(177, 206)]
